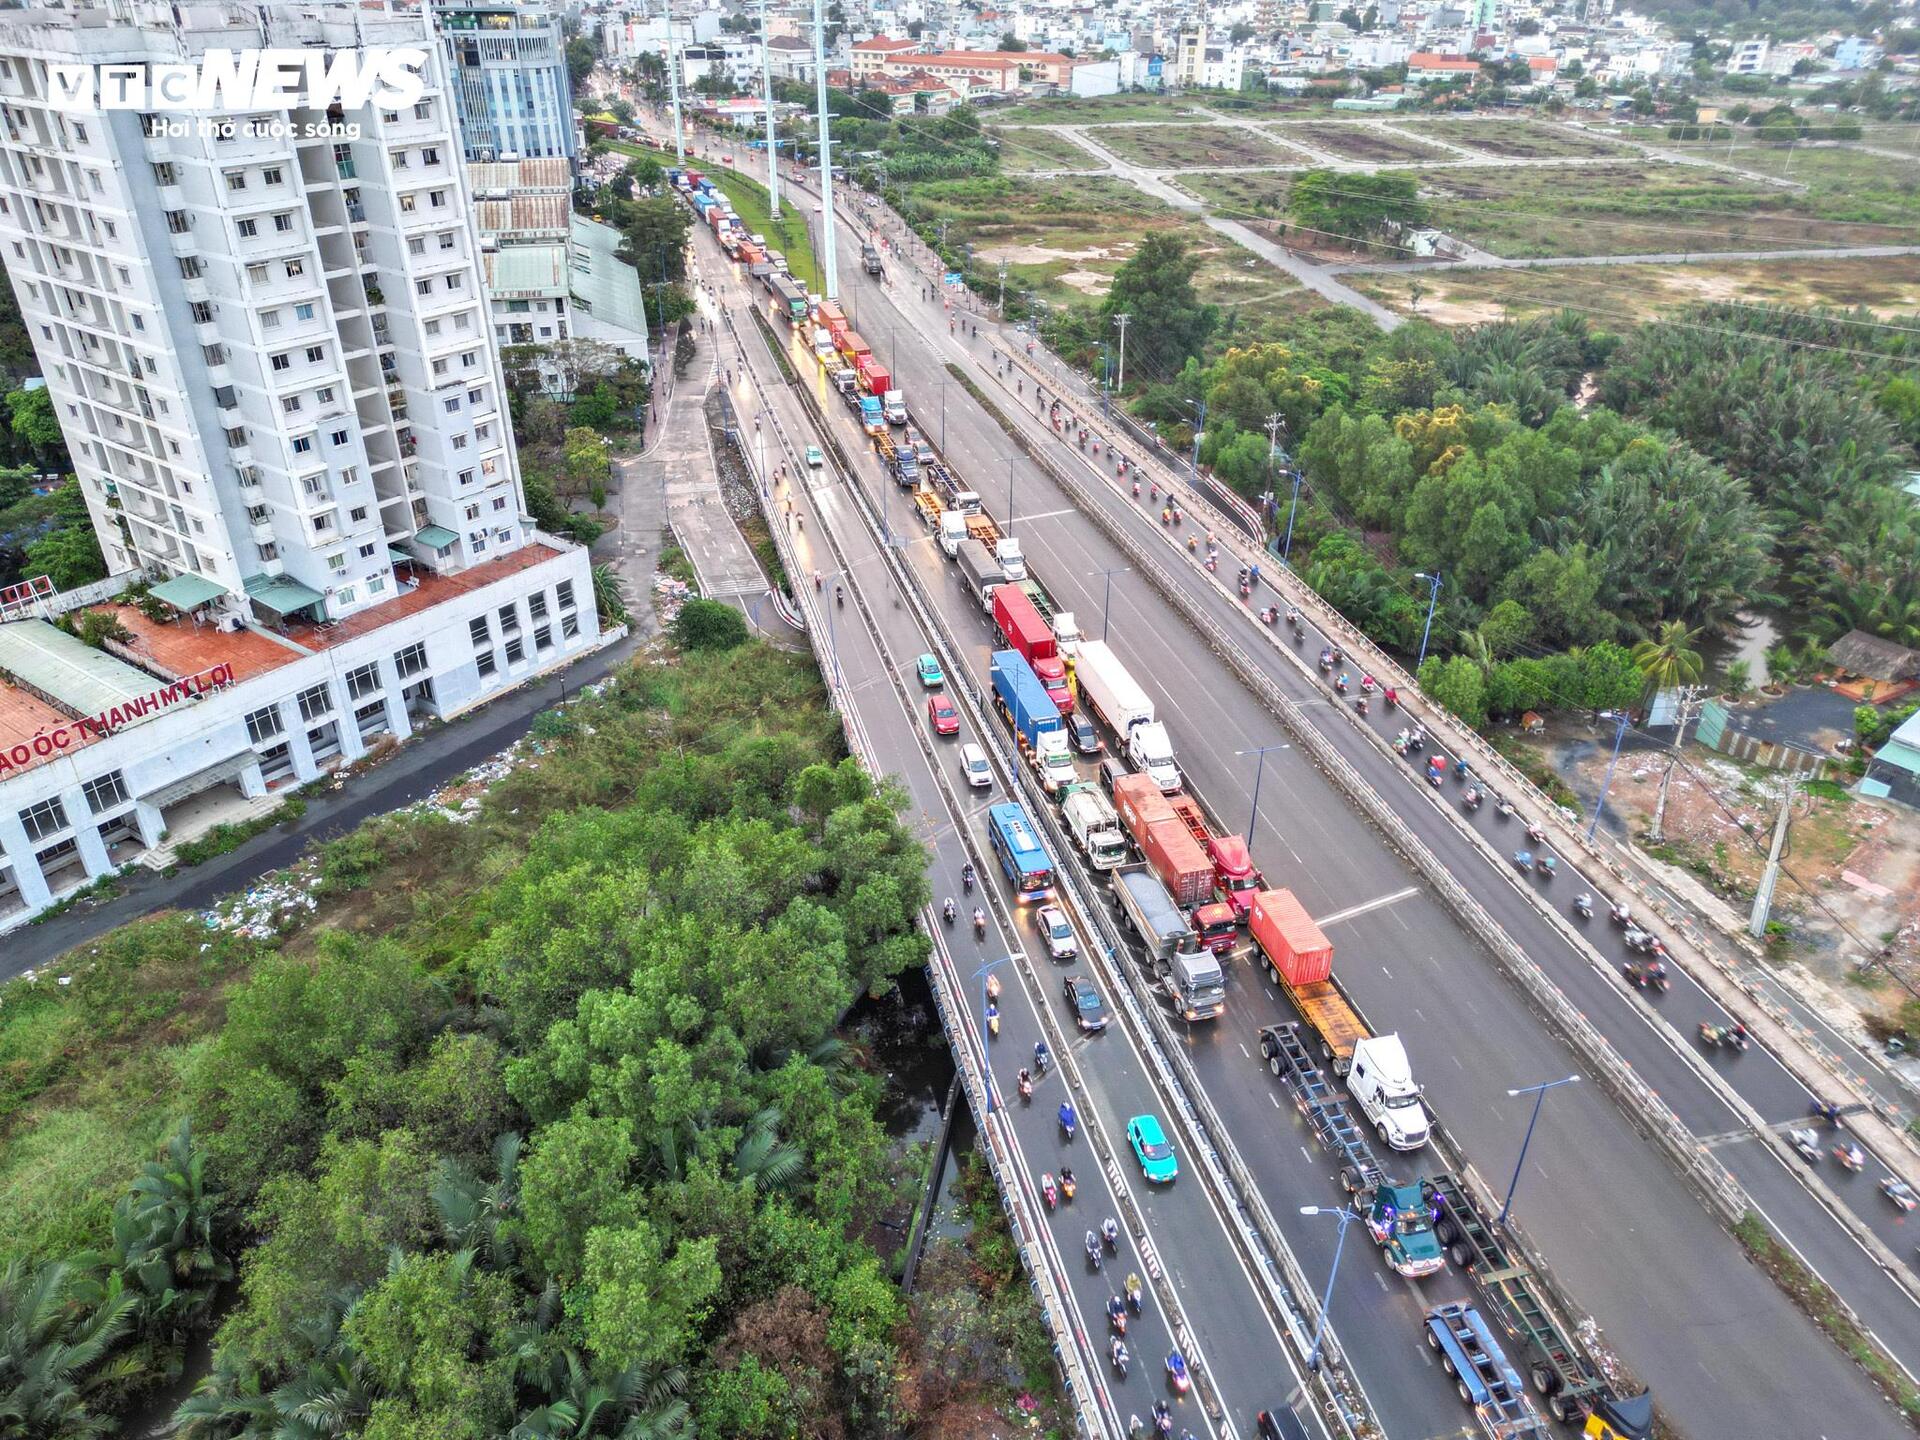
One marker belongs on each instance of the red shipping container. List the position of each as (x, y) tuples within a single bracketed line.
[(1176, 857), (1283, 930), (1140, 804)]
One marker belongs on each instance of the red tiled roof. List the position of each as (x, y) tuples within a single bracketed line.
[(1441, 62), (881, 42)]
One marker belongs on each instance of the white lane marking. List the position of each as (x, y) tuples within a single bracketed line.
[(1379, 903)]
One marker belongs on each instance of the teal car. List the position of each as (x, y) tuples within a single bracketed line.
[(1152, 1149), (929, 671), (814, 457)]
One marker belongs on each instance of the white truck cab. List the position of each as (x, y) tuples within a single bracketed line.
[(1150, 750), (1012, 560), (1382, 1081)]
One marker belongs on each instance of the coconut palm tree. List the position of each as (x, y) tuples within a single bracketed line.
[(56, 1351), (474, 1212), (1669, 659)]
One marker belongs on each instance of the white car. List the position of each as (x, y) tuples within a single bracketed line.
[(973, 765), (1057, 931)]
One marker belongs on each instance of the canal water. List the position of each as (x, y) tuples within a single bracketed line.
[(1755, 635)]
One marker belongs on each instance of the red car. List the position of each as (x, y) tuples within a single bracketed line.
[(946, 719)]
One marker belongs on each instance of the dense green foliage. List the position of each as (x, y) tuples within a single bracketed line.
[(1339, 205), (551, 1138)]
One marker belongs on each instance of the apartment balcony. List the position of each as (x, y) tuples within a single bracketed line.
[(172, 197), (261, 531), (253, 493), (357, 213)]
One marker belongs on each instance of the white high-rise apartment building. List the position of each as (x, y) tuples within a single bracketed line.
[(269, 350)]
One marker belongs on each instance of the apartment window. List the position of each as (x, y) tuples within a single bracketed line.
[(437, 199), (214, 354), (509, 620), (103, 792), (366, 551), (429, 156), (423, 287), (406, 204), (324, 395), (423, 111), (322, 523), (302, 444), (315, 702), (283, 222), (247, 228), (236, 180), (344, 595), (357, 514), (542, 637), (473, 512), (363, 682), (446, 240), (466, 478), (264, 724), (453, 282), (190, 268), (499, 503), (452, 404), (515, 650), (179, 221), (412, 660), (485, 663), (477, 628), (315, 354), (291, 404), (338, 437), (416, 246), (459, 442), (537, 605), (335, 563), (282, 361), (433, 326), (201, 312), (270, 176), (257, 273), (570, 625), (164, 173), (49, 817), (238, 436), (79, 134), (296, 268), (269, 319), (563, 593), (303, 311), (376, 584)]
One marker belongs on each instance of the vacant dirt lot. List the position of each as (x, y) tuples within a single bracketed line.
[(1513, 139), (1195, 147), (1355, 141)]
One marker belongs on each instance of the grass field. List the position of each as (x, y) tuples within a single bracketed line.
[(1241, 197), (1618, 294), (1511, 139), (1171, 147), (1023, 147), (1092, 110), (1362, 142)]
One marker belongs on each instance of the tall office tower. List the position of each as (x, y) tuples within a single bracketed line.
[(508, 63), (270, 354)]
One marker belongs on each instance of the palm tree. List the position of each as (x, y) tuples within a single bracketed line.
[(229, 1401), (333, 1395), (642, 1402), (1473, 646), (474, 1212), (55, 1351), (1669, 659), (763, 1159)]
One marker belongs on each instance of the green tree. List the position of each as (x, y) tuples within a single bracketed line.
[(575, 1178), (646, 1303), (582, 55), (1336, 205), (709, 625), (1669, 659), (1457, 686), (55, 1352), (1155, 287), (69, 554), (1609, 680), (36, 429)]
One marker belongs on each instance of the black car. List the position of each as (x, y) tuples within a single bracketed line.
[(1279, 1425), (1080, 731), (1088, 1009), (1112, 770)]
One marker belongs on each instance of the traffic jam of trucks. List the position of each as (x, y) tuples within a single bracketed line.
[(1187, 889)]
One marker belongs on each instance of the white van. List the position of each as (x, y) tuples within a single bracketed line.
[(973, 765)]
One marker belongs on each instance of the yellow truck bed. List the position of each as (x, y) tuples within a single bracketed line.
[(1329, 1016)]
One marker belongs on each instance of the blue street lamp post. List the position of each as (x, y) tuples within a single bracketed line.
[(1346, 1217), (1433, 600), (1253, 820), (1619, 734), (1539, 1093)]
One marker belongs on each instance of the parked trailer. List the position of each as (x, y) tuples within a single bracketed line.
[(1469, 1353), (1066, 631), (1020, 626), (1568, 1382), (1300, 960), (981, 571)]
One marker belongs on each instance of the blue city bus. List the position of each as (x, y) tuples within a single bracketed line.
[(1017, 845)]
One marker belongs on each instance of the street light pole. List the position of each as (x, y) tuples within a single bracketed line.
[(1346, 1217), (1106, 605), (1433, 600), (1539, 1093), (1618, 735), (1122, 320), (1253, 820)]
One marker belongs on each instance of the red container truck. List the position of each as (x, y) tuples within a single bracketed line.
[(874, 378), (829, 314), (852, 347), (1162, 836), (1022, 628), (1301, 961), (1235, 880)]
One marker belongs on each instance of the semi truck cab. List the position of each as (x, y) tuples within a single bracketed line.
[(1150, 749)]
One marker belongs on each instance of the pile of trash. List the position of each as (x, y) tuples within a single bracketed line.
[(673, 594), (271, 907)]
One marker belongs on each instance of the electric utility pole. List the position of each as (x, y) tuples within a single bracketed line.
[(830, 276), (1122, 320), (1763, 898), (766, 99), (1690, 698), (673, 90)]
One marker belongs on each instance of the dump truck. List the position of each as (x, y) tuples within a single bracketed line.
[(1300, 959), (870, 257), (1190, 976), (1090, 819), (1021, 627), (1182, 865), (1024, 704), (1235, 880), (1399, 1215), (982, 575)]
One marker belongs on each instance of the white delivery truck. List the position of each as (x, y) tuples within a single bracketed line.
[(1382, 1081), (1113, 696), (1012, 560)]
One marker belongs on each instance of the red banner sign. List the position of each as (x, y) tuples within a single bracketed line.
[(46, 744)]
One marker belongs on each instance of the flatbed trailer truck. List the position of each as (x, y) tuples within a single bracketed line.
[(1300, 960), (1568, 1382), (1468, 1352)]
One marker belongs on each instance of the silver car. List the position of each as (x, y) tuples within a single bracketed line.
[(973, 765), (1057, 931)]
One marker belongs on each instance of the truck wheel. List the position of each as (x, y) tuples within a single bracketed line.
[(1446, 1364), (1545, 1379), (1273, 1064), (1380, 1129), (1433, 1340), (1562, 1409), (1445, 1231), (1274, 971), (1465, 1394), (1461, 1254)]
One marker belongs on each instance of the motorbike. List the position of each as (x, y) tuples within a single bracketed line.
[(1806, 1143), (1340, 683), (993, 1020), (1360, 704), (966, 879), (1619, 914), (1650, 976), (1537, 834), (1067, 1184), (1326, 658), (1399, 748), (1523, 860), (1504, 809), (1470, 800), (1583, 906), (1547, 866), (1900, 1193), (1392, 697), (1117, 1315), (1850, 1156), (979, 924), (1737, 1036), (947, 912), (1828, 1111), (1042, 1056), (1460, 769), (1293, 617), (1136, 489), (1026, 1088), (1246, 590), (1177, 1371), (1162, 1419), (1338, 654), (993, 987), (1417, 740), (1047, 1192), (1117, 1353), (1637, 940), (1067, 1120), (1133, 1293), (1093, 1249), (1366, 684), (1110, 1233)]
